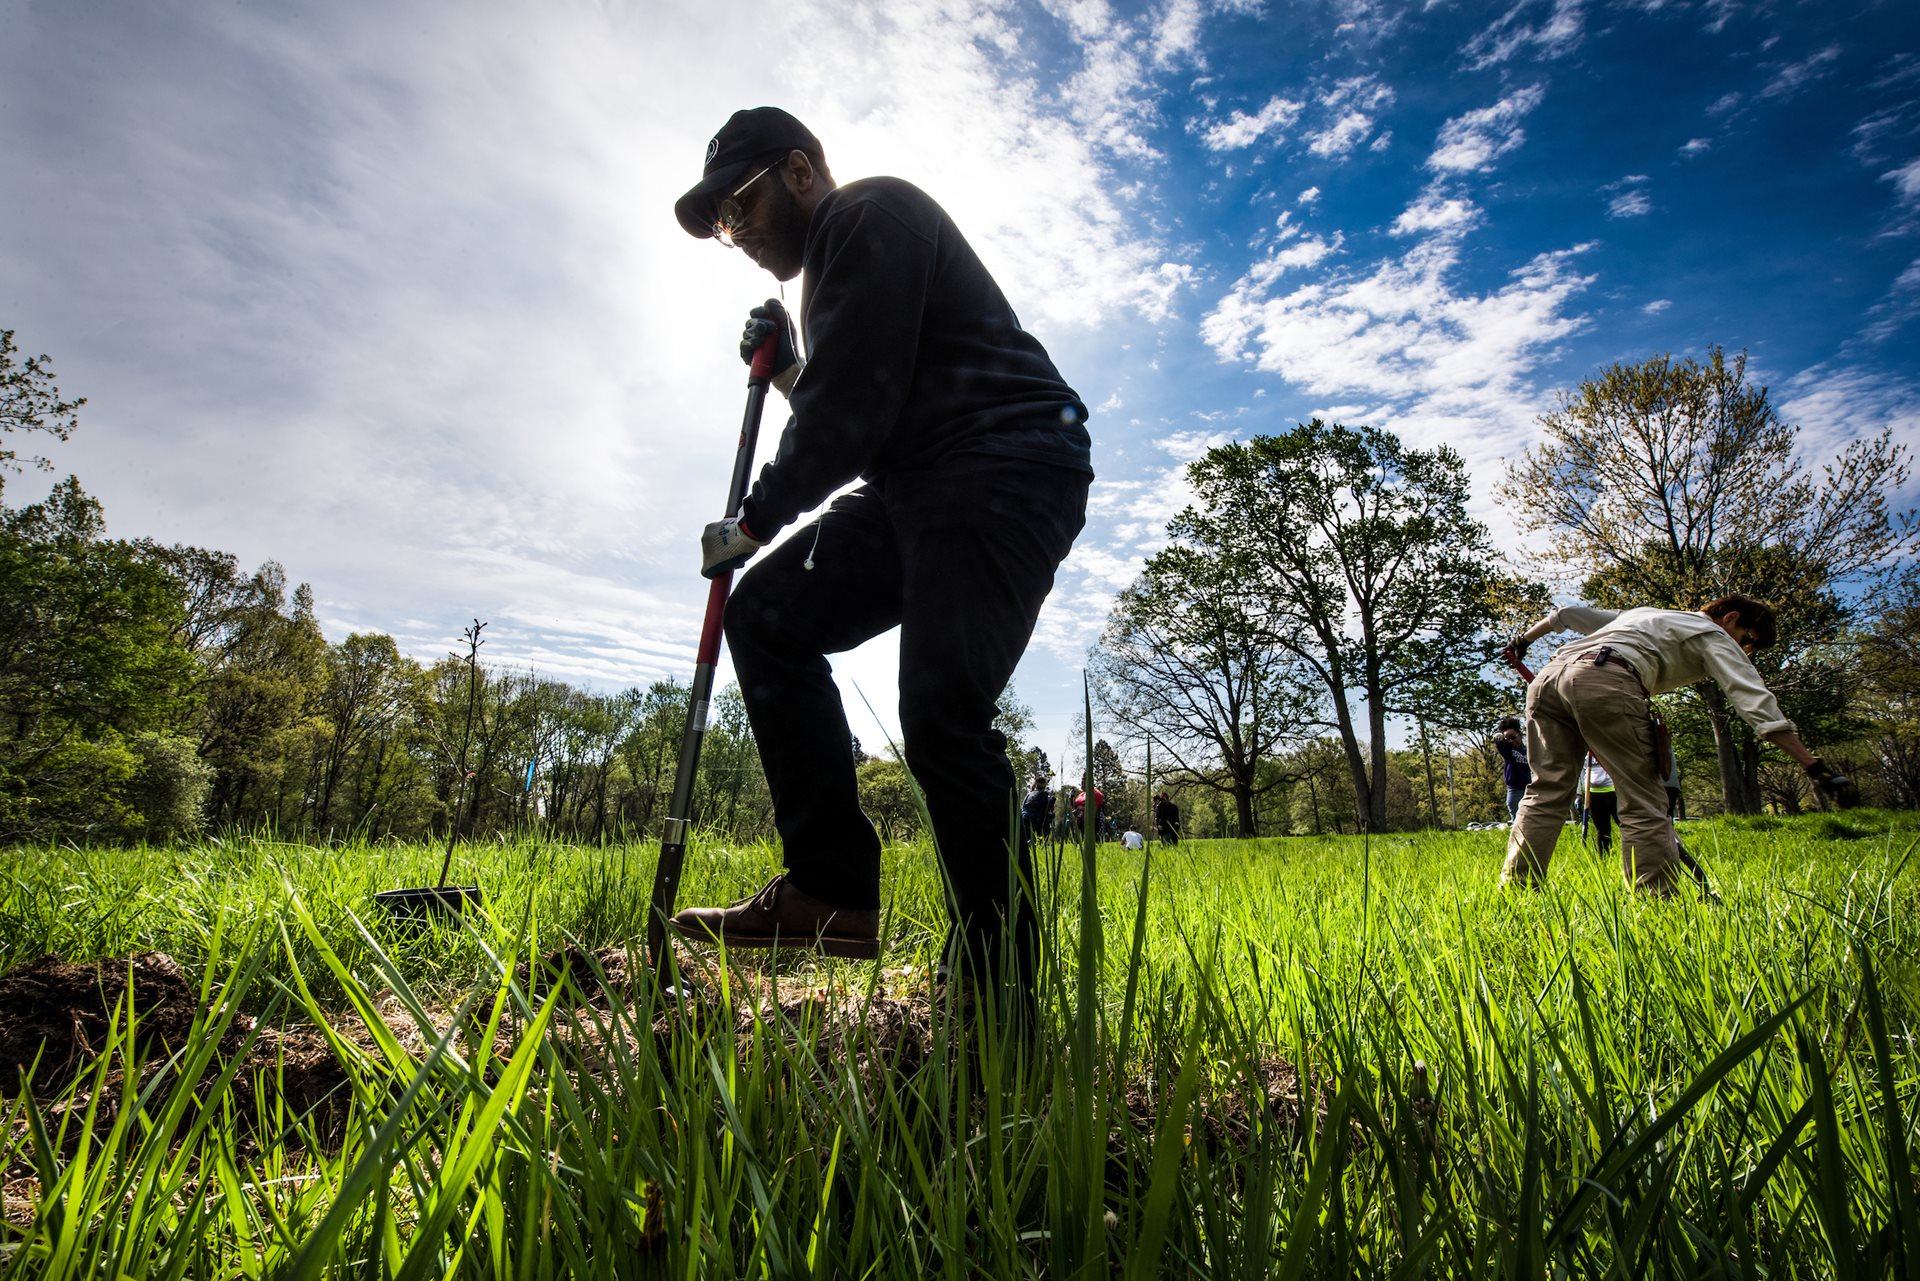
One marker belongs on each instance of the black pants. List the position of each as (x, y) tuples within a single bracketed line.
[(1603, 808), (960, 559)]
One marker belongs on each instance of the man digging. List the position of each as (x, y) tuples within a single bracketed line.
[(1594, 694), (975, 462)]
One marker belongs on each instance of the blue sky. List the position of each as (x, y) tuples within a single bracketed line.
[(393, 293)]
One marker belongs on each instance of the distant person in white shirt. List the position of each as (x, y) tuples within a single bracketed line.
[(1133, 840), (1593, 695), (1603, 804)]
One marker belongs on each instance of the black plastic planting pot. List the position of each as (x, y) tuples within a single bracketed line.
[(431, 903)]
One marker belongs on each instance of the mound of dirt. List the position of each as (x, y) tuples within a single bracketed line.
[(58, 1012), (596, 975)]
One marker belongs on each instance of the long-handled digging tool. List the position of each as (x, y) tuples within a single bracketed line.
[(1660, 748), (440, 901), (673, 841)]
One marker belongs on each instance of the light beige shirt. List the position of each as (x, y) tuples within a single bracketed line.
[(1670, 648)]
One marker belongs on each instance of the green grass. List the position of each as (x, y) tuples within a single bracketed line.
[(1576, 1082)]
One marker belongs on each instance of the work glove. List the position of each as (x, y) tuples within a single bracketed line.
[(1836, 788), (771, 317), (1517, 646), (725, 546)]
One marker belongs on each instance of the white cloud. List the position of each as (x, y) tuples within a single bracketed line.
[(1242, 130), (1899, 308), (1475, 140), (1796, 76), (1694, 146), (1873, 136), (1436, 211), (1352, 105), (1309, 196), (1724, 103), (1906, 181), (1559, 33), (1630, 204), (1177, 34), (419, 282), (1404, 335), (1342, 136), (1307, 251), (1657, 306), (1185, 446), (1836, 404)]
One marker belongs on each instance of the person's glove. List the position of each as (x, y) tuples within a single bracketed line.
[(771, 317), (1517, 646), (1837, 788), (725, 546)]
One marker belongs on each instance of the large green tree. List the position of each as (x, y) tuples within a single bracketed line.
[(1360, 558), (1185, 662), (1669, 482), (89, 664)]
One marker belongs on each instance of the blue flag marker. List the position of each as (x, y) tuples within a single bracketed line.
[(531, 762)]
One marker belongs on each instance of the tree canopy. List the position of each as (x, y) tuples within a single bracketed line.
[(1358, 556), (1669, 482)]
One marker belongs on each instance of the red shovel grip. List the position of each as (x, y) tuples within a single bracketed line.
[(761, 370)]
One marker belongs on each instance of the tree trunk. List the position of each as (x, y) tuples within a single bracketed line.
[(1376, 811), (1433, 793), (1739, 779), (1243, 807)]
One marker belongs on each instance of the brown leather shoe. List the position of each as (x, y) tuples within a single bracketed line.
[(783, 915)]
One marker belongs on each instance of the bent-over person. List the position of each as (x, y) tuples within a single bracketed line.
[(1594, 695)]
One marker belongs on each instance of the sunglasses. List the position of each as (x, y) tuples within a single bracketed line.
[(731, 214)]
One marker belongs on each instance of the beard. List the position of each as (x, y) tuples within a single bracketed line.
[(784, 243)]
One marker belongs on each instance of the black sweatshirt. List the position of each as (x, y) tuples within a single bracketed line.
[(913, 356)]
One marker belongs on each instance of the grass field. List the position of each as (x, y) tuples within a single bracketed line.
[(1287, 1057)]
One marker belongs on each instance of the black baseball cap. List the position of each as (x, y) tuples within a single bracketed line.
[(754, 134)]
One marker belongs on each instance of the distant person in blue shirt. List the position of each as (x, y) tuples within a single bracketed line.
[(1513, 757)]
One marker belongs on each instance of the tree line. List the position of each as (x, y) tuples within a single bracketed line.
[(1328, 581), (150, 692), (1325, 584)]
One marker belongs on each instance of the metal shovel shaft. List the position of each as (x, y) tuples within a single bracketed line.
[(673, 841)]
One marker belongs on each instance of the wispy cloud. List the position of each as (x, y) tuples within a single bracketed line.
[(1629, 197), (1241, 130), (1351, 107), (1176, 36), (1657, 306), (1558, 32), (1695, 146), (1880, 134), (1439, 358), (1795, 76), (1906, 181), (1436, 211), (1834, 404), (1307, 197), (1899, 308), (420, 282), (1475, 140)]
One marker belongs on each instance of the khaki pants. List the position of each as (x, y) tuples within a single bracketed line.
[(1573, 707)]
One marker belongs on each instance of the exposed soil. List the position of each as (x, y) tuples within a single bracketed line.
[(61, 1012), (58, 1012)]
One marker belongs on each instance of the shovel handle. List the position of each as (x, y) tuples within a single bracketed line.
[(760, 372)]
